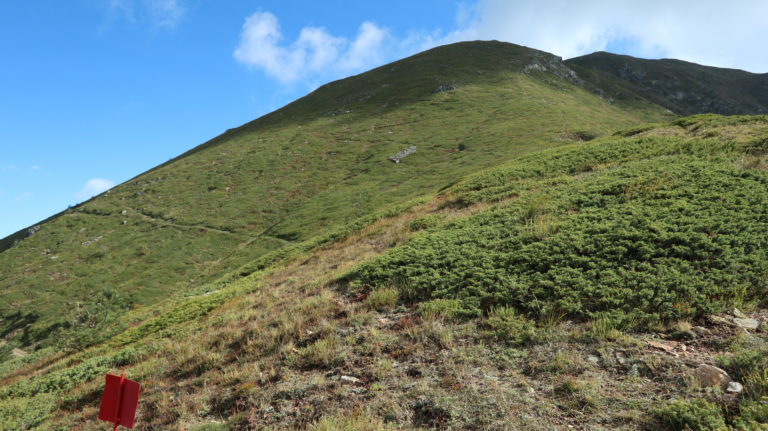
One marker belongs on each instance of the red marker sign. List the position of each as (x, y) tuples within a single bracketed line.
[(119, 402)]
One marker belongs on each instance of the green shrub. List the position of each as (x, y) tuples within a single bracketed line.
[(357, 421), (25, 413), (753, 416), (322, 353), (575, 394), (696, 415), (675, 231), (425, 222), (450, 309), (68, 378), (750, 366), (382, 299), (505, 324)]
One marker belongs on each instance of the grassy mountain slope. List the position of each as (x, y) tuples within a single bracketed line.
[(577, 287), (290, 176), (683, 87)]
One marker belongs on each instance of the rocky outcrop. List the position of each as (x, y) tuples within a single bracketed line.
[(548, 63)]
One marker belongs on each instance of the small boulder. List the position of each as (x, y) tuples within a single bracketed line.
[(352, 380), (708, 375), (734, 387), (746, 323)]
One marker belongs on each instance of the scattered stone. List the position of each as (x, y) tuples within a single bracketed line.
[(661, 346), (446, 87), (708, 375), (352, 380), (738, 313), (18, 353), (91, 241), (402, 154), (746, 323), (720, 320), (734, 387), (593, 359)]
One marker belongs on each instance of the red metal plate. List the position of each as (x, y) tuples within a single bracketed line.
[(119, 401)]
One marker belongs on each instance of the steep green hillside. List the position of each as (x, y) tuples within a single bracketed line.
[(685, 88), (296, 173), (651, 228), (578, 287)]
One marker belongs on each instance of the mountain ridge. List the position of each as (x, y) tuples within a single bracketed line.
[(685, 88)]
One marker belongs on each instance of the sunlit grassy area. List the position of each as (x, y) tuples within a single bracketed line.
[(290, 176), (488, 305)]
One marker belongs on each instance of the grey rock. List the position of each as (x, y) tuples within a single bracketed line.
[(402, 154), (734, 387), (593, 359), (621, 358), (746, 323), (738, 313), (352, 380), (446, 87)]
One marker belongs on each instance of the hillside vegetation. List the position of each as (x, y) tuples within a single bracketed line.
[(577, 287), (318, 163), (683, 87)]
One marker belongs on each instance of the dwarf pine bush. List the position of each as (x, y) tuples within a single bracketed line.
[(677, 230)]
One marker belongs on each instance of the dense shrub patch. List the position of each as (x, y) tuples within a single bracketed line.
[(675, 231)]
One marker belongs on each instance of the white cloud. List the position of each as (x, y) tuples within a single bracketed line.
[(165, 13), (702, 31), (315, 52), (158, 13), (93, 187)]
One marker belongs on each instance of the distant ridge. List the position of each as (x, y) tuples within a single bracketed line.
[(682, 87)]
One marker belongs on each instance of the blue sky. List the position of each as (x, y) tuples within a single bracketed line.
[(94, 92)]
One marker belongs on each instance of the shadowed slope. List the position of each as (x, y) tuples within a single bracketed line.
[(683, 87)]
